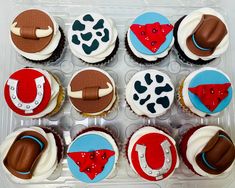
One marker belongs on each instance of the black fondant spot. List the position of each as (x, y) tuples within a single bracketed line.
[(135, 97), (93, 47), (75, 39), (98, 33), (148, 79), (151, 108), (86, 36), (166, 88), (159, 78), (99, 24), (139, 88), (164, 101), (88, 17), (142, 101), (105, 38), (78, 26)]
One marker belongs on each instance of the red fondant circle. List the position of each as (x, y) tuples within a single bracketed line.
[(26, 90)]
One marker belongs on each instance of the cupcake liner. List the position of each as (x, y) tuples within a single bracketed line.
[(60, 99), (108, 59), (141, 60), (182, 56), (57, 53)]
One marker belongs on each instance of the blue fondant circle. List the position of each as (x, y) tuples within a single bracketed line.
[(209, 77), (87, 143), (149, 18)]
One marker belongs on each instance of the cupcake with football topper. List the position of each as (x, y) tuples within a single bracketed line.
[(93, 38), (34, 93), (30, 155), (201, 36), (37, 37), (207, 151), (150, 93), (152, 153), (93, 154), (92, 92), (205, 92), (149, 38)]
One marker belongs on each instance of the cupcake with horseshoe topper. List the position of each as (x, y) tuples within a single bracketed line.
[(34, 93), (92, 92), (152, 154), (36, 36)]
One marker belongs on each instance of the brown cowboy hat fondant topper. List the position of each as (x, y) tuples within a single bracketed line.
[(24, 154), (206, 36), (32, 30)]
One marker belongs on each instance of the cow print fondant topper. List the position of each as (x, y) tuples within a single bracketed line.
[(90, 34), (150, 93)]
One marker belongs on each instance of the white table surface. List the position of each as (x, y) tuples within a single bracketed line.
[(5, 10)]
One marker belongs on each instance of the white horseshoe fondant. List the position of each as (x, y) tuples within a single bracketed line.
[(141, 149), (27, 107)]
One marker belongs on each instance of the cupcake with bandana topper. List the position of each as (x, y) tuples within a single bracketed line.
[(149, 38)]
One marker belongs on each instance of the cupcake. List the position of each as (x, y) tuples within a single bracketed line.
[(36, 36), (205, 92), (92, 92), (149, 38), (34, 93), (208, 151), (30, 155), (201, 36), (150, 93), (152, 154), (92, 155), (93, 38)]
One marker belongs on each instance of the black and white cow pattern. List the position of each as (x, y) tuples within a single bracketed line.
[(90, 34), (153, 92)]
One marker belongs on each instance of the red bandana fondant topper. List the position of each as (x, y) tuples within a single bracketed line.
[(91, 163), (211, 95), (152, 36), (27, 92)]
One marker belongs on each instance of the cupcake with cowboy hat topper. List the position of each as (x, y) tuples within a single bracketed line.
[(201, 36)]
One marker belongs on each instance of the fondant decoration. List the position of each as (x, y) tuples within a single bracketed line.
[(157, 173), (150, 93), (91, 163), (152, 154), (24, 154), (211, 95), (30, 33), (207, 35), (93, 33), (27, 92), (91, 90), (151, 35), (32, 30), (92, 156), (218, 154), (92, 93)]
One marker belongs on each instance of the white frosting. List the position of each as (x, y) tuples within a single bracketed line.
[(197, 141), (185, 91), (104, 49), (47, 162), (114, 90), (109, 139), (187, 26), (48, 50), (148, 57), (142, 109), (140, 133)]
